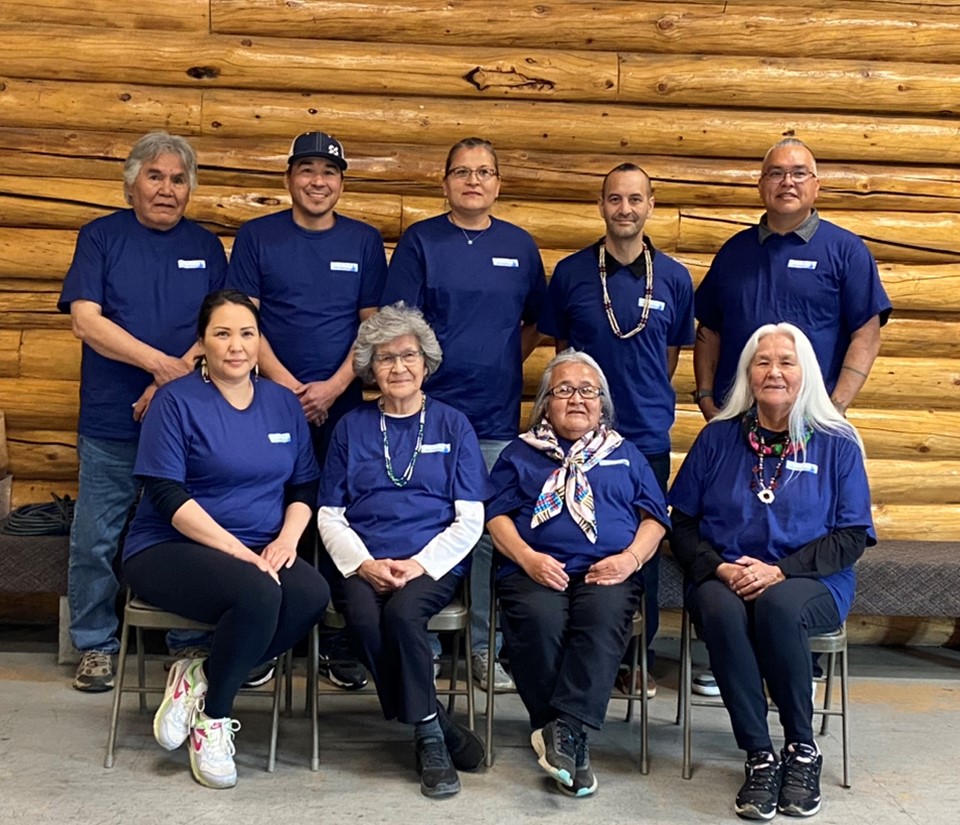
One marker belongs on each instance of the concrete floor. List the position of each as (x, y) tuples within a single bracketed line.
[(906, 725)]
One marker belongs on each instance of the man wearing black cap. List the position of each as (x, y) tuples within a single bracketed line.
[(315, 275)]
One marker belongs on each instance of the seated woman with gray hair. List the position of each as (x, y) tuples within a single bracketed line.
[(577, 512), (401, 506)]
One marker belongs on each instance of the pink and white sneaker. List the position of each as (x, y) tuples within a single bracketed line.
[(186, 686), (212, 750)]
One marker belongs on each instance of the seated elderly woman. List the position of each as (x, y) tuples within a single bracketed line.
[(771, 509), (229, 484), (401, 506), (577, 512)]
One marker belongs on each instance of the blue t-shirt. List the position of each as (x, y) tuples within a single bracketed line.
[(623, 484), (827, 491), (151, 284), (828, 286), (398, 522), (475, 298), (234, 463), (311, 287), (636, 368)]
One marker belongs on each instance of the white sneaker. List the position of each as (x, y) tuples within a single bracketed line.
[(212, 750), (501, 679), (705, 684), (186, 686)]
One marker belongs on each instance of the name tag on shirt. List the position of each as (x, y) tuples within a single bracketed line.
[(796, 263), (197, 264), (435, 448), (279, 438), (658, 305), (613, 462), (343, 266), (802, 466), (511, 262)]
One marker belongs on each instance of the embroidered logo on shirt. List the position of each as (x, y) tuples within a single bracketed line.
[(343, 266), (612, 462), (802, 466), (279, 438), (435, 448), (796, 263), (658, 305), (511, 262), (200, 263)]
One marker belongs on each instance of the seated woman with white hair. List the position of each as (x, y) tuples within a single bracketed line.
[(771, 509)]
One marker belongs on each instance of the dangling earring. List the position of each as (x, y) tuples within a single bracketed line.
[(204, 372), (256, 372)]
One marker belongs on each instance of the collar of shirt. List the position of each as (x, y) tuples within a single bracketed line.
[(637, 267), (805, 230)]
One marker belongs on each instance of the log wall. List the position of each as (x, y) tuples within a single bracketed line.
[(694, 91)]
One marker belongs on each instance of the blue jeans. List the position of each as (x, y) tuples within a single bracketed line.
[(106, 494)]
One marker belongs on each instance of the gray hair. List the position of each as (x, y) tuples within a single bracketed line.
[(790, 141), (387, 325), (812, 406), (572, 356), (150, 147)]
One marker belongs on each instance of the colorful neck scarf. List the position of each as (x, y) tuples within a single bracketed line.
[(569, 481)]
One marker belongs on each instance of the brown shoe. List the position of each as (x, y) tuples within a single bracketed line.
[(623, 683)]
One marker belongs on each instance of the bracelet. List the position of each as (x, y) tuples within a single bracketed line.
[(698, 395), (636, 558)]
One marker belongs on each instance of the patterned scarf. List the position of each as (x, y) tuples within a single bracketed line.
[(569, 481)]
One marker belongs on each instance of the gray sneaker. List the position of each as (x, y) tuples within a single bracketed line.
[(94, 673), (501, 679), (584, 780), (556, 746)]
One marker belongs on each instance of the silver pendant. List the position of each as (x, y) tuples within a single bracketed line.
[(469, 242), (766, 496)]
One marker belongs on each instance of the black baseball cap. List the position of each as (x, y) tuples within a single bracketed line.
[(317, 145)]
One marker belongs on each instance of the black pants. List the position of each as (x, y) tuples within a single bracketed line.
[(255, 618), (566, 646), (764, 641), (660, 464), (391, 631)]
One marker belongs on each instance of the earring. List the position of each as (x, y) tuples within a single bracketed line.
[(204, 372), (256, 372)]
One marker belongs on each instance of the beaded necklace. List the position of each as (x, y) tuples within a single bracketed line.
[(408, 473), (647, 294), (782, 447)]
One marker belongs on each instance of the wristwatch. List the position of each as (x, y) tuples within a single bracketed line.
[(699, 395)]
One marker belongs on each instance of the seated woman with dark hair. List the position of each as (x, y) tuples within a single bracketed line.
[(229, 484), (771, 509), (401, 506), (577, 512)]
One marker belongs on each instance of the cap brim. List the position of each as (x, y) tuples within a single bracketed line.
[(339, 162)]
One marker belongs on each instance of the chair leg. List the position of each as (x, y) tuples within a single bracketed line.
[(141, 671), (828, 694), (313, 660), (454, 667), (468, 656), (634, 664), (288, 670), (117, 694), (845, 716), (683, 642), (686, 689), (278, 690), (491, 649)]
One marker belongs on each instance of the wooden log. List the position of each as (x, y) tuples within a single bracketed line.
[(35, 253), (808, 83), (43, 454), (39, 403), (42, 303), (4, 455), (171, 15), (899, 236), (576, 127), (916, 522), (46, 103), (34, 490), (896, 481), (922, 337), (711, 28), (208, 60), (9, 353), (47, 353)]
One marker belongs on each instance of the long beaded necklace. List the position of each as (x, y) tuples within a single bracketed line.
[(783, 448), (647, 294), (408, 473)]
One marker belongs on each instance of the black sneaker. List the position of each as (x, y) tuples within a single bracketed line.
[(339, 666), (261, 674), (556, 747), (466, 749), (438, 777), (584, 780), (800, 788), (758, 795)]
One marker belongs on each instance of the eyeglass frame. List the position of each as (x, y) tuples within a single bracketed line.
[(408, 358), (575, 391), (780, 175), (484, 174)]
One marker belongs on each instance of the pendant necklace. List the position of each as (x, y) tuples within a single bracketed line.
[(782, 447), (647, 294), (764, 493), (408, 473), (474, 238)]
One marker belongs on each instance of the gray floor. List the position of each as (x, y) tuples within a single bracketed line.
[(905, 759)]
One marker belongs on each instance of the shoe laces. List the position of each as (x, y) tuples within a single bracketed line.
[(800, 767), (94, 660), (217, 738), (583, 752), (433, 752), (568, 740), (762, 772)]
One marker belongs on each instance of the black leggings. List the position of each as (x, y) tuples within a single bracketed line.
[(255, 619)]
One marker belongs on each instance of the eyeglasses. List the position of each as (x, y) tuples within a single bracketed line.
[(566, 391), (799, 175), (388, 359), (484, 173)]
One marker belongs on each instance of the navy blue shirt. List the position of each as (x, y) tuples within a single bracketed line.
[(149, 283), (398, 522), (623, 484), (823, 490), (311, 287), (828, 286), (233, 463), (475, 297), (636, 368)]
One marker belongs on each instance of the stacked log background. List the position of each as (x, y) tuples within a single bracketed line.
[(694, 91)]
